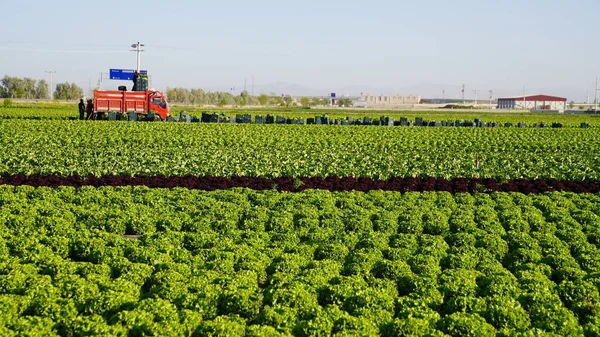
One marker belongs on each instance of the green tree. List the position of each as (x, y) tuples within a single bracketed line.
[(67, 91), (172, 95), (42, 90), (263, 99), (305, 101), (318, 101), (239, 100), (198, 96), (14, 87), (288, 100), (28, 88), (345, 102)]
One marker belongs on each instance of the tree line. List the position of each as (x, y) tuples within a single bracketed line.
[(201, 97), (28, 88)]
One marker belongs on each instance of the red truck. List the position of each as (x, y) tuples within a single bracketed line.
[(140, 102)]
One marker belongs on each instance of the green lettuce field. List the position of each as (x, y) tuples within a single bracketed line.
[(128, 260)]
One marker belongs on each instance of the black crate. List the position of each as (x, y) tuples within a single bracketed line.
[(367, 121), (418, 121), (259, 120), (508, 125), (280, 120), (150, 117), (246, 118), (310, 120), (584, 125), (270, 119), (132, 116), (112, 116), (404, 121), (522, 125), (557, 125)]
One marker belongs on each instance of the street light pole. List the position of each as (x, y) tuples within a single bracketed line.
[(524, 94), (491, 96), (596, 97), (138, 49), (51, 92)]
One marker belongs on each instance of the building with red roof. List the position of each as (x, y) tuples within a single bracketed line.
[(533, 102)]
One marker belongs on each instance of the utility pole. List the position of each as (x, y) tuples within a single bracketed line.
[(51, 91), (138, 50), (245, 81), (443, 94), (596, 96), (476, 91), (587, 98), (463, 94), (100, 80), (491, 96), (524, 93)]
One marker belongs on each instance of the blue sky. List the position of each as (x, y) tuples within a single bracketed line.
[(378, 45)]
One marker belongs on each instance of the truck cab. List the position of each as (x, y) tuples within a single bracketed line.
[(158, 104)]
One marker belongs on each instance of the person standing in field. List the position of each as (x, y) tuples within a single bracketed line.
[(90, 108), (81, 109)]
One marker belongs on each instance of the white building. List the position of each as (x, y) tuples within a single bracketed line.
[(389, 101)]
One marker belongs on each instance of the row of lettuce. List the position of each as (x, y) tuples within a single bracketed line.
[(174, 149), (263, 263), (70, 112)]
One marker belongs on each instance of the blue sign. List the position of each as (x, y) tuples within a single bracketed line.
[(124, 74), (333, 95)]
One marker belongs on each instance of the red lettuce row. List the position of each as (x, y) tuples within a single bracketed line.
[(459, 185)]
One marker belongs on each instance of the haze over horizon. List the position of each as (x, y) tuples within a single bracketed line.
[(312, 46)]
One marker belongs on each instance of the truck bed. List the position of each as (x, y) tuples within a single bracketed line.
[(120, 101)]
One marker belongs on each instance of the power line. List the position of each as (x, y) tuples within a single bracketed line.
[(36, 50), (60, 44)]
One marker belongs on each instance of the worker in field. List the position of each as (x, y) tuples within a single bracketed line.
[(81, 109), (136, 76), (90, 108)]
